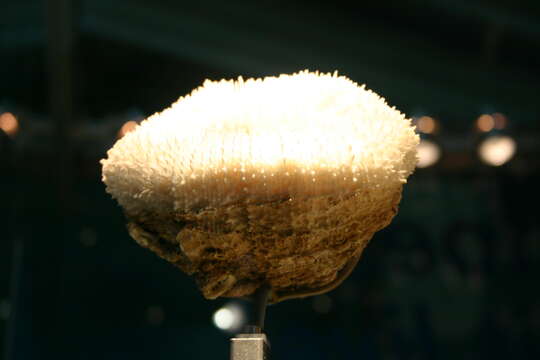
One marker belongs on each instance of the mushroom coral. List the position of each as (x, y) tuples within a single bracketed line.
[(280, 181)]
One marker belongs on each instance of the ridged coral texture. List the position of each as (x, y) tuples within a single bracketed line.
[(313, 142)]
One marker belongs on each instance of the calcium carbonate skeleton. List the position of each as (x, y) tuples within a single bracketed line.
[(277, 182)]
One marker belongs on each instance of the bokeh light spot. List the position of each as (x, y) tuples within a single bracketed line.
[(155, 315), (497, 150), (426, 124), (428, 153), (9, 123), (322, 304), (127, 127), (499, 121), (224, 318), (229, 318), (485, 122)]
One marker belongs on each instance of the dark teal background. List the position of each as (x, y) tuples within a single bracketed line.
[(455, 276)]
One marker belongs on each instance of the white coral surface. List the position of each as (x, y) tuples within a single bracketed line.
[(257, 140)]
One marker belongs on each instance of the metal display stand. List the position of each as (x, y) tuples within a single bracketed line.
[(250, 347), (253, 344)]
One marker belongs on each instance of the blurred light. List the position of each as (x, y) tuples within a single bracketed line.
[(426, 124), (127, 127), (485, 122), (9, 123), (5, 309), (428, 153), (224, 318), (229, 318), (322, 304), (155, 315), (348, 292), (497, 150), (88, 237), (500, 121)]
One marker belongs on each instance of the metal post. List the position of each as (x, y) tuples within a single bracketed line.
[(250, 347), (253, 344)]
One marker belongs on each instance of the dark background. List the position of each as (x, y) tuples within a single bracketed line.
[(454, 276)]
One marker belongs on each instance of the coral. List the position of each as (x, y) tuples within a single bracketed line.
[(281, 180)]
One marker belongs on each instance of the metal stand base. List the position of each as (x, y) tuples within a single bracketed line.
[(250, 347), (252, 344)]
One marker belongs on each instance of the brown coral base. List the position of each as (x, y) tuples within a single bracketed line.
[(299, 247)]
